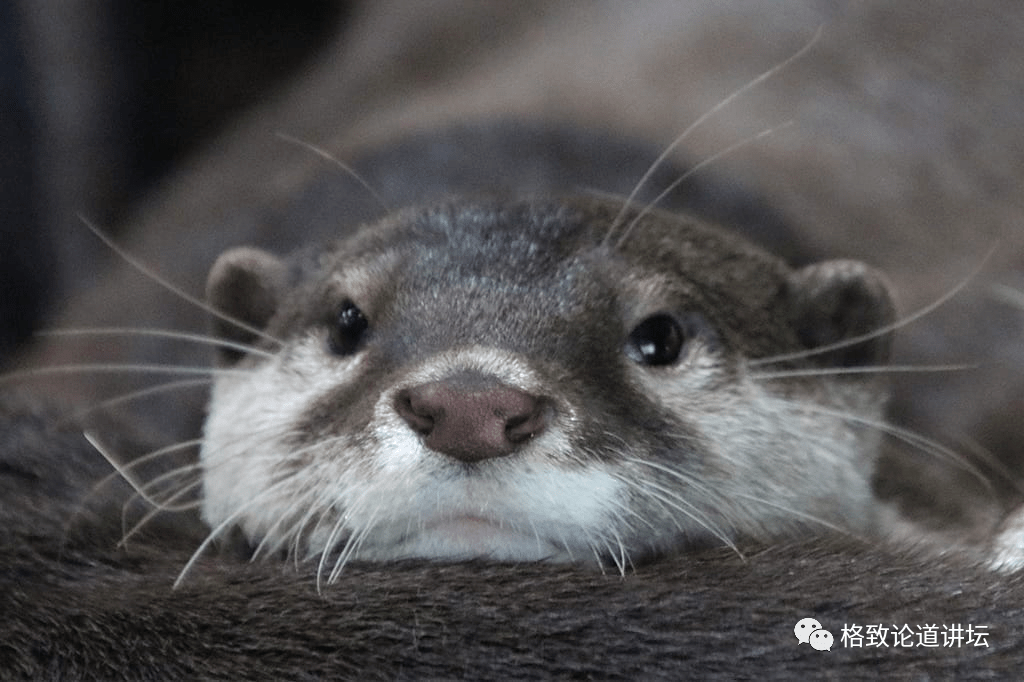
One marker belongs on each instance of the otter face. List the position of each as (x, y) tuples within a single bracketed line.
[(514, 381)]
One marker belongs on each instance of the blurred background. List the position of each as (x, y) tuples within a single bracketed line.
[(99, 99)]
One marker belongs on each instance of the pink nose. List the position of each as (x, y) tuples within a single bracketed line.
[(472, 420)]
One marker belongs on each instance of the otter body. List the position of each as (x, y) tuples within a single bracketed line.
[(505, 362)]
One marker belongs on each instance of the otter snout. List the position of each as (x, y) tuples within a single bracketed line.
[(472, 417)]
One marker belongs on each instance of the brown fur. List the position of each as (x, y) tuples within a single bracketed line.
[(78, 608), (903, 152)]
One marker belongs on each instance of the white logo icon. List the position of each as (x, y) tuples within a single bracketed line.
[(809, 631), (821, 640), (804, 628)]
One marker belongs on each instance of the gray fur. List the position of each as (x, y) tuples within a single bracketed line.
[(544, 290), (903, 154)]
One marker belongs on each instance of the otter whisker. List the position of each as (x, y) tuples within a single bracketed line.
[(875, 369), (260, 499), (289, 540), (986, 457), (672, 500), (617, 553), (309, 500), (915, 440), (621, 508), (1007, 294), (160, 333), (323, 507), (151, 514), (353, 544), (682, 137), (142, 459), (348, 170), (320, 506), (316, 505), (273, 539), (115, 368), (797, 514), (665, 498), (689, 173), (687, 480), (120, 471), (624, 561), (597, 554), (536, 533), (565, 545), (885, 329), (124, 471), (162, 480), (337, 529), (172, 288), (168, 386)]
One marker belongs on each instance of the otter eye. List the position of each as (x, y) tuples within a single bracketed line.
[(347, 329), (659, 340)]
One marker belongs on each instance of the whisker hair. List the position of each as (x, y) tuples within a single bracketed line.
[(171, 287), (735, 94), (915, 440), (124, 470), (798, 514), (692, 171), (1007, 294), (224, 525), (159, 333), (331, 158), (151, 514), (875, 369), (167, 386), (885, 329), (114, 368)]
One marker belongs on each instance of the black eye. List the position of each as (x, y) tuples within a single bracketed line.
[(347, 329), (659, 340)]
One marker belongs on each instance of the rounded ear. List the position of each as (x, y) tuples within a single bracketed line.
[(839, 300), (245, 285)]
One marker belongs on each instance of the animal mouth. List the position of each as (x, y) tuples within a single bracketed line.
[(470, 529), (474, 536)]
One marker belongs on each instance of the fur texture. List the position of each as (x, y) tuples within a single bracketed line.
[(902, 153), (78, 608)]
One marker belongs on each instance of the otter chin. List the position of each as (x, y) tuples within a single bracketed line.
[(471, 537)]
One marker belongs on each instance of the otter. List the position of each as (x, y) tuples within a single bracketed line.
[(539, 379), (538, 376), (506, 383), (86, 606)]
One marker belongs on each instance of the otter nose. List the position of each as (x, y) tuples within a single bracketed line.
[(472, 418)]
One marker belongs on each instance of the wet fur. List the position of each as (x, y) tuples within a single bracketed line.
[(707, 612)]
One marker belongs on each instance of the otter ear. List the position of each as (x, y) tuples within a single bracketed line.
[(837, 300), (246, 285)]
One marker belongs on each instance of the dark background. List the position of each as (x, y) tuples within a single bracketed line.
[(99, 99)]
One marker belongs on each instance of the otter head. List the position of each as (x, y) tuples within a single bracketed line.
[(510, 380)]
